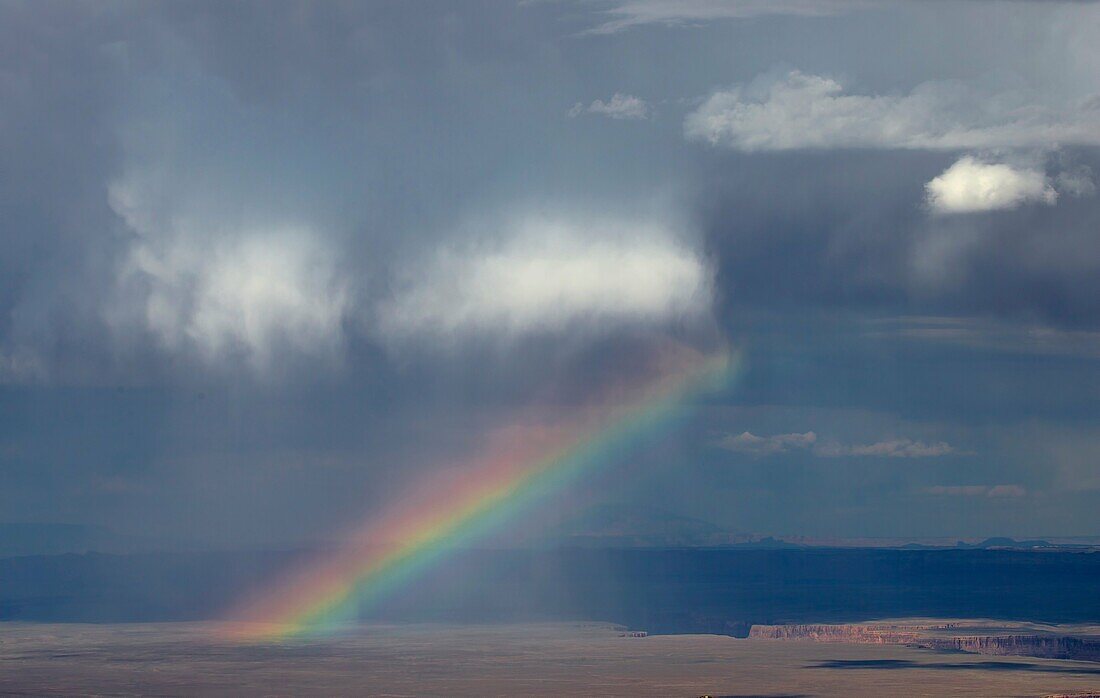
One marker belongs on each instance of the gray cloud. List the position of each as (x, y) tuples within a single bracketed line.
[(990, 335), (671, 13), (991, 491), (805, 111), (20, 367), (1068, 453), (619, 106), (1077, 181), (240, 233), (747, 442), (889, 448)]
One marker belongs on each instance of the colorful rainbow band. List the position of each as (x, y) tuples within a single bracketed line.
[(437, 519)]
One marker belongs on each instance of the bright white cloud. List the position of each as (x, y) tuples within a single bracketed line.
[(636, 13), (971, 185), (620, 106), (237, 293), (550, 274), (800, 111)]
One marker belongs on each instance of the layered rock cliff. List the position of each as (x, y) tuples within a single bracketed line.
[(1021, 645), (938, 637), (860, 634)]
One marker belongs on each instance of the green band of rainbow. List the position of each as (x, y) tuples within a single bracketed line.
[(397, 545)]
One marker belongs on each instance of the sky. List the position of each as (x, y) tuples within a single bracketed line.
[(265, 266)]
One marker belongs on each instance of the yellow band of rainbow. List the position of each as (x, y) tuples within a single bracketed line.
[(393, 547)]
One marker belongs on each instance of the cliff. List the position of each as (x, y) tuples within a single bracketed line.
[(859, 634), (932, 637), (1022, 646)]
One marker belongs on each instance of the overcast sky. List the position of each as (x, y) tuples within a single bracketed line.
[(266, 264)]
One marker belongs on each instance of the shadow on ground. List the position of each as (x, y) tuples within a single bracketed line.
[(987, 666)]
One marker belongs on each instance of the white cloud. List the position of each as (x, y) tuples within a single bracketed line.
[(801, 111), (971, 185), (636, 13), (892, 448), (549, 274), (992, 491), (245, 296), (223, 293), (620, 106), (747, 442)]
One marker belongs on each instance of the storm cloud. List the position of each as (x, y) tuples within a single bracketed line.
[(272, 256)]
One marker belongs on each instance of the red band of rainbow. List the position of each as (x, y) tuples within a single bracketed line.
[(436, 519)]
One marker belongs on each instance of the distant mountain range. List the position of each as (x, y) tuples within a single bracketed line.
[(59, 538), (599, 526), (630, 526)]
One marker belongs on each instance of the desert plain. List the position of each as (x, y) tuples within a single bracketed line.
[(551, 659)]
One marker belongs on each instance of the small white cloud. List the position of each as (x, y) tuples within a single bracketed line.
[(992, 491), (892, 448), (620, 106), (801, 111), (970, 186), (747, 442), (549, 274)]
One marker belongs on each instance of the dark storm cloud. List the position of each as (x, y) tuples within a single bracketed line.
[(60, 92), (399, 124), (277, 51), (853, 230), (263, 243)]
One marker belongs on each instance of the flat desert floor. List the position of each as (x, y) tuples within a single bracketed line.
[(505, 660)]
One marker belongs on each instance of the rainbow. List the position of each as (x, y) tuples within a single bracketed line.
[(469, 501)]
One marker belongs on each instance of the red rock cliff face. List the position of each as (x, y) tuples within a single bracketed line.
[(1045, 646)]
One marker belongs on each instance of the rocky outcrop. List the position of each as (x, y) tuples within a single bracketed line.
[(932, 637), (1021, 646)]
